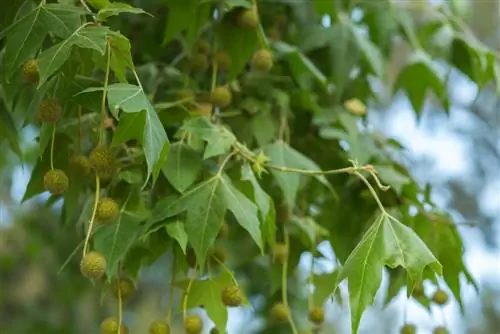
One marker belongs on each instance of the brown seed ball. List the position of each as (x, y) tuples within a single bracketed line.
[(279, 313), (223, 60), (224, 231), (49, 111), (280, 253), (159, 327), (440, 330), (93, 265), (103, 161), (193, 324), (262, 60), (125, 286), (408, 329), (55, 181), (80, 163), (248, 19), (218, 254), (29, 71), (221, 97), (232, 296), (440, 297), (317, 315), (199, 62), (107, 210), (110, 326)]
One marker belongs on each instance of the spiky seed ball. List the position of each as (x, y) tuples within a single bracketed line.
[(202, 47), (221, 97), (408, 329), (280, 253), (80, 163), (193, 324), (440, 297), (110, 326), (440, 330), (224, 231), (93, 265), (49, 111), (159, 327), (223, 60), (29, 71), (199, 62), (317, 315), (107, 210), (248, 18), (232, 296), (262, 60), (55, 181), (125, 286), (279, 313), (103, 161), (218, 254)]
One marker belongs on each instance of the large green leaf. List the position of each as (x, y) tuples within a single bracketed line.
[(116, 8), (121, 58), (25, 36), (53, 58), (130, 127), (418, 77), (115, 240), (182, 166), (176, 230), (386, 242), (282, 155)]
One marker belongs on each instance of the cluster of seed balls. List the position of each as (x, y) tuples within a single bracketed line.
[(439, 298)]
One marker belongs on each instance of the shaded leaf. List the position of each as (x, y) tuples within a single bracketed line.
[(176, 230), (130, 127), (182, 166)]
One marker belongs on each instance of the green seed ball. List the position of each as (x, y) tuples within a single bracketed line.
[(124, 286), (29, 71), (232, 296), (159, 327), (80, 163), (262, 60), (408, 329), (49, 111), (279, 313), (93, 265), (110, 326), (55, 181), (107, 210), (248, 19), (199, 62), (223, 60), (221, 97), (440, 297), (440, 330), (103, 161), (317, 315), (280, 253), (193, 324)]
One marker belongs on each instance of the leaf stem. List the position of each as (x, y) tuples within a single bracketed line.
[(186, 294), (94, 210), (373, 192), (223, 265), (87, 8), (104, 92), (284, 295), (52, 147), (171, 292), (224, 163)]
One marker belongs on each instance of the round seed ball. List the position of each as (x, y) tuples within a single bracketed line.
[(110, 326), (159, 327), (262, 60), (55, 181), (317, 315), (248, 18), (29, 71), (93, 265), (107, 210), (279, 313), (193, 324), (232, 296), (221, 97), (49, 111)]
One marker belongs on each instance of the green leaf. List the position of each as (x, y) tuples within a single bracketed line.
[(8, 130), (238, 3), (281, 154), (386, 242), (54, 57), (98, 4), (265, 204), (183, 15), (176, 230), (117, 8), (390, 176), (25, 36), (219, 139), (132, 99), (311, 228), (205, 208), (418, 76), (243, 209), (130, 127), (115, 240), (324, 286), (182, 166), (370, 51), (121, 57)]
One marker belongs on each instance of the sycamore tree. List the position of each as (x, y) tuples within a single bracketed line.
[(232, 137)]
